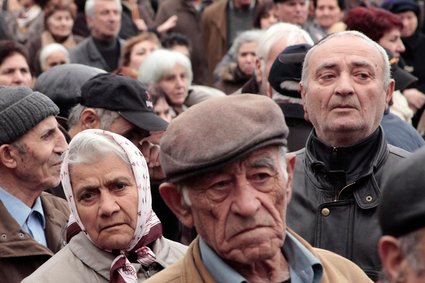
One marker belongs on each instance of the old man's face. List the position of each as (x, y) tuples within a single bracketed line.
[(240, 210), (344, 93)]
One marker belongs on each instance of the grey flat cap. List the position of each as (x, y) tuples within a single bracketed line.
[(218, 131)]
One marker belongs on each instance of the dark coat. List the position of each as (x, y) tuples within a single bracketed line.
[(86, 53), (189, 24), (341, 219), (20, 255)]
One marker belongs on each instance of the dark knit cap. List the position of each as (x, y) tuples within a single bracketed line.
[(285, 72), (21, 109), (219, 131), (402, 208), (400, 6)]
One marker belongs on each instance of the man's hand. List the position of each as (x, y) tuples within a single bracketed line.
[(149, 147), (415, 98)]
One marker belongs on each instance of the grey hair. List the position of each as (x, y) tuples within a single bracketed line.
[(248, 36), (292, 33), (89, 8), (411, 247), (48, 50), (87, 147), (352, 33), (106, 117), (184, 190), (160, 63)]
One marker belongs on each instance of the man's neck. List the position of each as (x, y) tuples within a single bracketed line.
[(346, 139), (20, 190), (275, 269)]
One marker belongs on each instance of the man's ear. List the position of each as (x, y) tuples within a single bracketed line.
[(8, 155), (389, 92), (258, 73), (302, 90), (290, 166), (89, 119), (174, 200), (392, 257)]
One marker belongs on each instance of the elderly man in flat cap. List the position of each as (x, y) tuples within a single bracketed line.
[(31, 145), (228, 178), (401, 217)]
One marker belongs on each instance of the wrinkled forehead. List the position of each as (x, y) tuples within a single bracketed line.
[(346, 49)]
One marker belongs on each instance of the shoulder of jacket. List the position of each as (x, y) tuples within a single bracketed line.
[(340, 268), (394, 150), (55, 201)]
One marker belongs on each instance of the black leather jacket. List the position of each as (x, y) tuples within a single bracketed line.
[(342, 217)]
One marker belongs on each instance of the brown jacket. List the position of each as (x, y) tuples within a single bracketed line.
[(214, 31), (20, 255), (191, 269)]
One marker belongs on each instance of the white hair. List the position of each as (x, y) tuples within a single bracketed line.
[(89, 8), (293, 34), (160, 63), (48, 50)]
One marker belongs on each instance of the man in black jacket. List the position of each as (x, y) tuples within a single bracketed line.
[(338, 176)]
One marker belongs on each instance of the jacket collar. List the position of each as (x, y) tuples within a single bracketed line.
[(364, 187)]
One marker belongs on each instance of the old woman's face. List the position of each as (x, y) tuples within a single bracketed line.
[(106, 198)]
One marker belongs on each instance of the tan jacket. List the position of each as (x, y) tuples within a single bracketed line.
[(20, 255), (191, 269), (82, 261)]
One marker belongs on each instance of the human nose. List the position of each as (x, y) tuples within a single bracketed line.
[(180, 82), (108, 205), (60, 143), (18, 78), (344, 85), (400, 46), (245, 202)]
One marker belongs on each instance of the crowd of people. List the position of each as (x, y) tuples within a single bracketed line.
[(212, 141)]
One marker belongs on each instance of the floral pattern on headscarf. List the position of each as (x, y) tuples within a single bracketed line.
[(148, 227)]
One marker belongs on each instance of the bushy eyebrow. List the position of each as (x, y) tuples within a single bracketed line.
[(267, 162)]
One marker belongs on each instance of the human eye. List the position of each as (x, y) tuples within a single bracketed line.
[(47, 135), (87, 196), (221, 185), (119, 186), (326, 76), (362, 75), (219, 188)]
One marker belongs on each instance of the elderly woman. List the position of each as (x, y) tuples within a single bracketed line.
[(137, 48), (58, 21), (414, 42), (14, 67), (234, 74), (115, 235), (53, 54), (171, 72)]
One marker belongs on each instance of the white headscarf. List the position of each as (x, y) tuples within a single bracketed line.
[(148, 227)]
